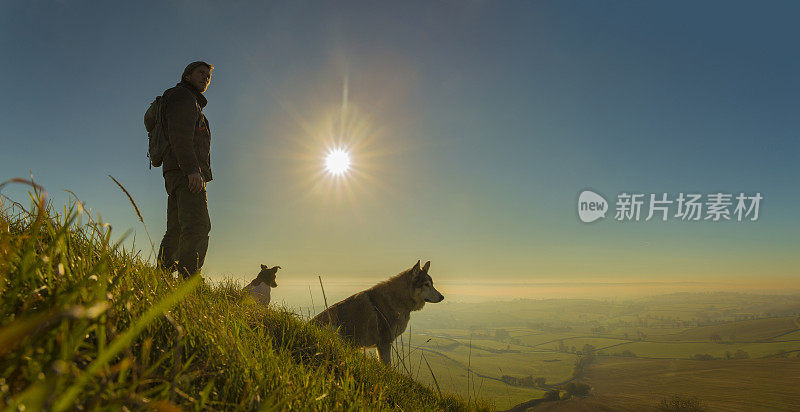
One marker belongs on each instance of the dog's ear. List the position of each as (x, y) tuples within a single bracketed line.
[(264, 266), (427, 266), (416, 267)]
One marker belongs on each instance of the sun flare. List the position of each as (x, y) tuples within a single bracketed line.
[(337, 162)]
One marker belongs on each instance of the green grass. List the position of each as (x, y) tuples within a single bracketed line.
[(86, 324)]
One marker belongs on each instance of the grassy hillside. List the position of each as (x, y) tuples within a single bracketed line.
[(86, 324)]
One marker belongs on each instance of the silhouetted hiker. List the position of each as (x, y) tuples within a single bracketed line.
[(187, 168)]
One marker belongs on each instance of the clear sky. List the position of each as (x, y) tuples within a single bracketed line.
[(472, 126)]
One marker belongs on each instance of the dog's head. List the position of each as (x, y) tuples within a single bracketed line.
[(267, 275), (422, 284)]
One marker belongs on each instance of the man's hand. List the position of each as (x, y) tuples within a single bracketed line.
[(196, 183)]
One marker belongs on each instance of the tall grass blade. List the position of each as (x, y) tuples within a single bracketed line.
[(138, 214), (325, 298), (435, 382)]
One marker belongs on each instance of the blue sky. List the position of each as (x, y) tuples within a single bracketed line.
[(474, 127)]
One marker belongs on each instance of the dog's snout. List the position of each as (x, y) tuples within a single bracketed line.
[(436, 299)]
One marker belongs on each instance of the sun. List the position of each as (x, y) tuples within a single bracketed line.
[(337, 162)]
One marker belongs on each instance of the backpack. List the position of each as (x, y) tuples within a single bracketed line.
[(156, 133)]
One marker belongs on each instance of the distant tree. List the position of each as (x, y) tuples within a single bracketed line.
[(574, 350), (703, 357), (581, 364), (715, 338), (588, 350), (577, 388), (561, 346), (524, 382), (518, 382), (782, 354), (740, 354), (628, 354), (728, 354), (678, 404)]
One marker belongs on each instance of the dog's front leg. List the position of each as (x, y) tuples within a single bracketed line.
[(385, 353)]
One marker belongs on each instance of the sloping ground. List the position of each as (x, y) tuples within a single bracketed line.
[(722, 385), (745, 330), (85, 325)]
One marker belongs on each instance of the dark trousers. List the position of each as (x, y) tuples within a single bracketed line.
[(188, 224)]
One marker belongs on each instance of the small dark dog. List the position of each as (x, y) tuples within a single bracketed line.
[(260, 286)]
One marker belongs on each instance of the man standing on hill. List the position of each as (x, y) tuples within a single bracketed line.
[(187, 169)]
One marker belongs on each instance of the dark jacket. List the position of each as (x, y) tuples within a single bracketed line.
[(188, 132)]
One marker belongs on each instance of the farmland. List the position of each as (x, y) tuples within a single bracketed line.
[(692, 345), (723, 385)]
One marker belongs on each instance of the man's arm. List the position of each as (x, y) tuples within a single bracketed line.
[(181, 114)]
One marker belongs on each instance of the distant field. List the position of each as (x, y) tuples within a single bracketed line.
[(555, 367), (791, 336), (579, 342), (535, 338), (746, 330), (687, 350), (522, 338), (452, 377), (725, 385), (450, 350), (488, 361)]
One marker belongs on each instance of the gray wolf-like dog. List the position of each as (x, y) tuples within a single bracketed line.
[(378, 315), (259, 288)]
